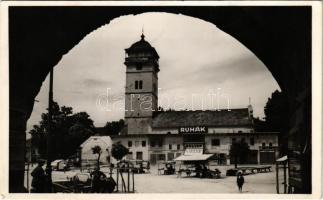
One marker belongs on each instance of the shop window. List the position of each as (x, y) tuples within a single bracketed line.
[(143, 143), (215, 142), (161, 157), (178, 147), (252, 141), (129, 143), (170, 146)]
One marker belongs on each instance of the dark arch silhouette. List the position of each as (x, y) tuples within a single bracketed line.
[(279, 36)]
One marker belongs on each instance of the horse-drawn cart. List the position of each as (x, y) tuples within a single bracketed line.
[(80, 183), (83, 183)]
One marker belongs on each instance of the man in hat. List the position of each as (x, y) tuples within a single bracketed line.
[(38, 175), (98, 180), (240, 181)]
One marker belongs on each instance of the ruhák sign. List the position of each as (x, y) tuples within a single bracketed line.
[(193, 129)]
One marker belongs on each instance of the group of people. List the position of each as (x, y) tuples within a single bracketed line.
[(41, 179), (41, 182), (201, 170)]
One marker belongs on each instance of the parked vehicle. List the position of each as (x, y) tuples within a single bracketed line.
[(59, 165)]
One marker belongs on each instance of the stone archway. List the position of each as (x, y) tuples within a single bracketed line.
[(279, 36)]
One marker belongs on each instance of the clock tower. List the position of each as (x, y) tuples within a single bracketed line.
[(141, 92)]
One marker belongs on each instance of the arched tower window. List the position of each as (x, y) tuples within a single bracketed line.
[(136, 84), (140, 84)]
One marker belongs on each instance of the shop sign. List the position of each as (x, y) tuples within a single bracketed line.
[(193, 129)]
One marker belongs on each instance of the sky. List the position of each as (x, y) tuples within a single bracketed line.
[(201, 67)]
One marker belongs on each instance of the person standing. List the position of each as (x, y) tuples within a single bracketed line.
[(240, 181), (38, 175), (98, 181)]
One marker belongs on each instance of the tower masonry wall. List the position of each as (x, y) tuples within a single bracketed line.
[(138, 125)]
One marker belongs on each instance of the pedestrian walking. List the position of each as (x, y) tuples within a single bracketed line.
[(38, 175), (240, 181)]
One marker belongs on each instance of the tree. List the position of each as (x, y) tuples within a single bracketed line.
[(68, 130), (239, 151), (277, 117), (114, 127), (97, 150), (118, 151), (260, 125)]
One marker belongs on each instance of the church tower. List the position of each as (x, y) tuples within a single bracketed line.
[(141, 92)]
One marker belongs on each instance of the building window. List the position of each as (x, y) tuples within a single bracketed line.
[(152, 143), (252, 141), (270, 144), (139, 155), (233, 140), (143, 143), (263, 144), (178, 147), (160, 143), (140, 84), (129, 143), (136, 85), (136, 143), (139, 66), (170, 146), (215, 142)]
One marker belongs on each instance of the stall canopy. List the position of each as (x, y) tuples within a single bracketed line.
[(196, 157)]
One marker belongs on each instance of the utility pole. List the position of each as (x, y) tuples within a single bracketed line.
[(49, 133)]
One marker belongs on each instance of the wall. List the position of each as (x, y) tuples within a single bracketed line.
[(88, 156)]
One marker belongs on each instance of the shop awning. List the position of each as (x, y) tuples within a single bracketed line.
[(196, 157), (282, 159)]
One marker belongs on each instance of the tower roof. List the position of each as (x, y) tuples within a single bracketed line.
[(142, 46)]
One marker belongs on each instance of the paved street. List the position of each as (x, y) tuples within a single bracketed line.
[(153, 183)]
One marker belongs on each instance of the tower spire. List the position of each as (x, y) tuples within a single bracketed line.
[(142, 33)]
